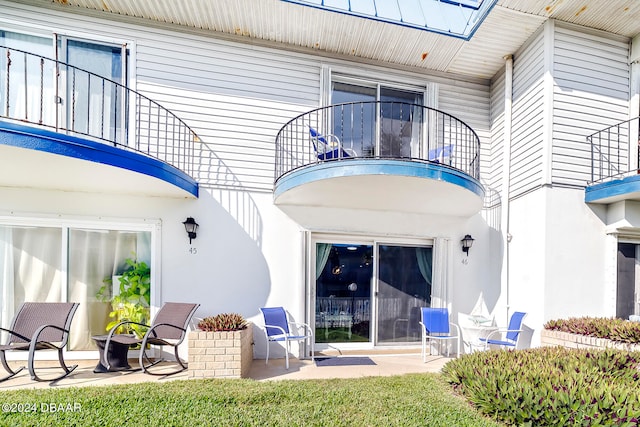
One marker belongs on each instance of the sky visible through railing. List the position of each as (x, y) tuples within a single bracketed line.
[(454, 18)]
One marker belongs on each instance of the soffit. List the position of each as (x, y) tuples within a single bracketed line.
[(507, 27)]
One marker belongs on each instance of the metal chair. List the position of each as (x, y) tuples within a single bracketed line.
[(276, 328), (169, 327), (329, 147), (512, 333), (39, 326), (436, 326)]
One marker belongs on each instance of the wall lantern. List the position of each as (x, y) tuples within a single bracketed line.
[(467, 242), (192, 227)]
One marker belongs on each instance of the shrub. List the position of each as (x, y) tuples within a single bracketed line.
[(551, 386), (610, 328), (223, 322)]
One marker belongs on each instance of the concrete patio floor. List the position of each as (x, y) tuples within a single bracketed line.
[(349, 366)]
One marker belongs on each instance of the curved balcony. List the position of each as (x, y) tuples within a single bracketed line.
[(88, 133), (376, 156)]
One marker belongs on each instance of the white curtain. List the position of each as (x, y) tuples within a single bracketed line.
[(6, 280), (95, 255), (441, 275), (30, 268)]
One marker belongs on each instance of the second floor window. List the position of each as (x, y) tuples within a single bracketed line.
[(376, 120)]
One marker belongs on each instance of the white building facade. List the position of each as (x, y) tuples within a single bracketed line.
[(443, 138)]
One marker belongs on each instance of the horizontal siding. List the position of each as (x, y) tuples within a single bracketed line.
[(527, 126), (591, 92), (496, 152)]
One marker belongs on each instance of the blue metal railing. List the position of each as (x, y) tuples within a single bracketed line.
[(389, 130), (615, 151), (50, 93)]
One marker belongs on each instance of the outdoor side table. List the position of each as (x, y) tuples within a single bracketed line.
[(118, 355)]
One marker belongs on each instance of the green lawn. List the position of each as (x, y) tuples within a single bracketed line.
[(408, 400)]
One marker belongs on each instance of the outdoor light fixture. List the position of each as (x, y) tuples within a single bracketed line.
[(192, 227), (467, 242)]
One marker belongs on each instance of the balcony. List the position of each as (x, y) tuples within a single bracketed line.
[(387, 158), (83, 132), (615, 164)]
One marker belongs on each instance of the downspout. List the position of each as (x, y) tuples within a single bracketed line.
[(506, 175)]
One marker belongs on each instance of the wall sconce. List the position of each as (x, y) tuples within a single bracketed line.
[(467, 242), (192, 227)]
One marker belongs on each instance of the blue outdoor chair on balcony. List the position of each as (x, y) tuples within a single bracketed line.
[(329, 147), (277, 328), (436, 327), (441, 154), (511, 334)]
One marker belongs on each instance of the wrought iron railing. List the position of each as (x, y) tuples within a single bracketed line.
[(381, 130), (614, 151), (50, 93)]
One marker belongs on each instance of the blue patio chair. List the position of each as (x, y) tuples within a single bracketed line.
[(329, 147), (436, 326), (511, 333), (276, 328), (440, 154)]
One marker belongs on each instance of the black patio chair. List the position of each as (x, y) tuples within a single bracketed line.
[(169, 327), (39, 326)]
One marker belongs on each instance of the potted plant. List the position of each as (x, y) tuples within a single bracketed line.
[(130, 299), (221, 347)]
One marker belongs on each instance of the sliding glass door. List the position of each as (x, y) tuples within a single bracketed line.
[(371, 292), (343, 292), (404, 285)]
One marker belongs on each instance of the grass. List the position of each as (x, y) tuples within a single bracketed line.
[(407, 400)]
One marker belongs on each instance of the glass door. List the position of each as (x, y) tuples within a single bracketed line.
[(371, 293), (403, 286), (96, 106), (343, 292)]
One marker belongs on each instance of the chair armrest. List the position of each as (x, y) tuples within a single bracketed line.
[(497, 331), (15, 334), (305, 325), (151, 329), (284, 334), (36, 334), (457, 328)]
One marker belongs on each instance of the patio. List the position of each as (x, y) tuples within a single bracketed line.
[(348, 366)]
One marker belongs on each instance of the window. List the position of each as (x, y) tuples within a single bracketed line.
[(86, 97), (377, 120), (62, 263)]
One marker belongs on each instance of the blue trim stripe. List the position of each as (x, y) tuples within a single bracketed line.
[(35, 138), (613, 190), (359, 167)]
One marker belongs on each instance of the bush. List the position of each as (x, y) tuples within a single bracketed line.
[(610, 328), (223, 322), (551, 386)]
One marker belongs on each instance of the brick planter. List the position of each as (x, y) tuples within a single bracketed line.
[(566, 339), (220, 354)]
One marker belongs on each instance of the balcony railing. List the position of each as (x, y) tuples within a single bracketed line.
[(614, 151), (377, 130), (46, 92)]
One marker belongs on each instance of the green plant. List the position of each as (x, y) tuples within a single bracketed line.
[(133, 300), (610, 328), (223, 322), (551, 386)]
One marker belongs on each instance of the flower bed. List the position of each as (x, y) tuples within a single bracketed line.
[(220, 354), (569, 340)]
